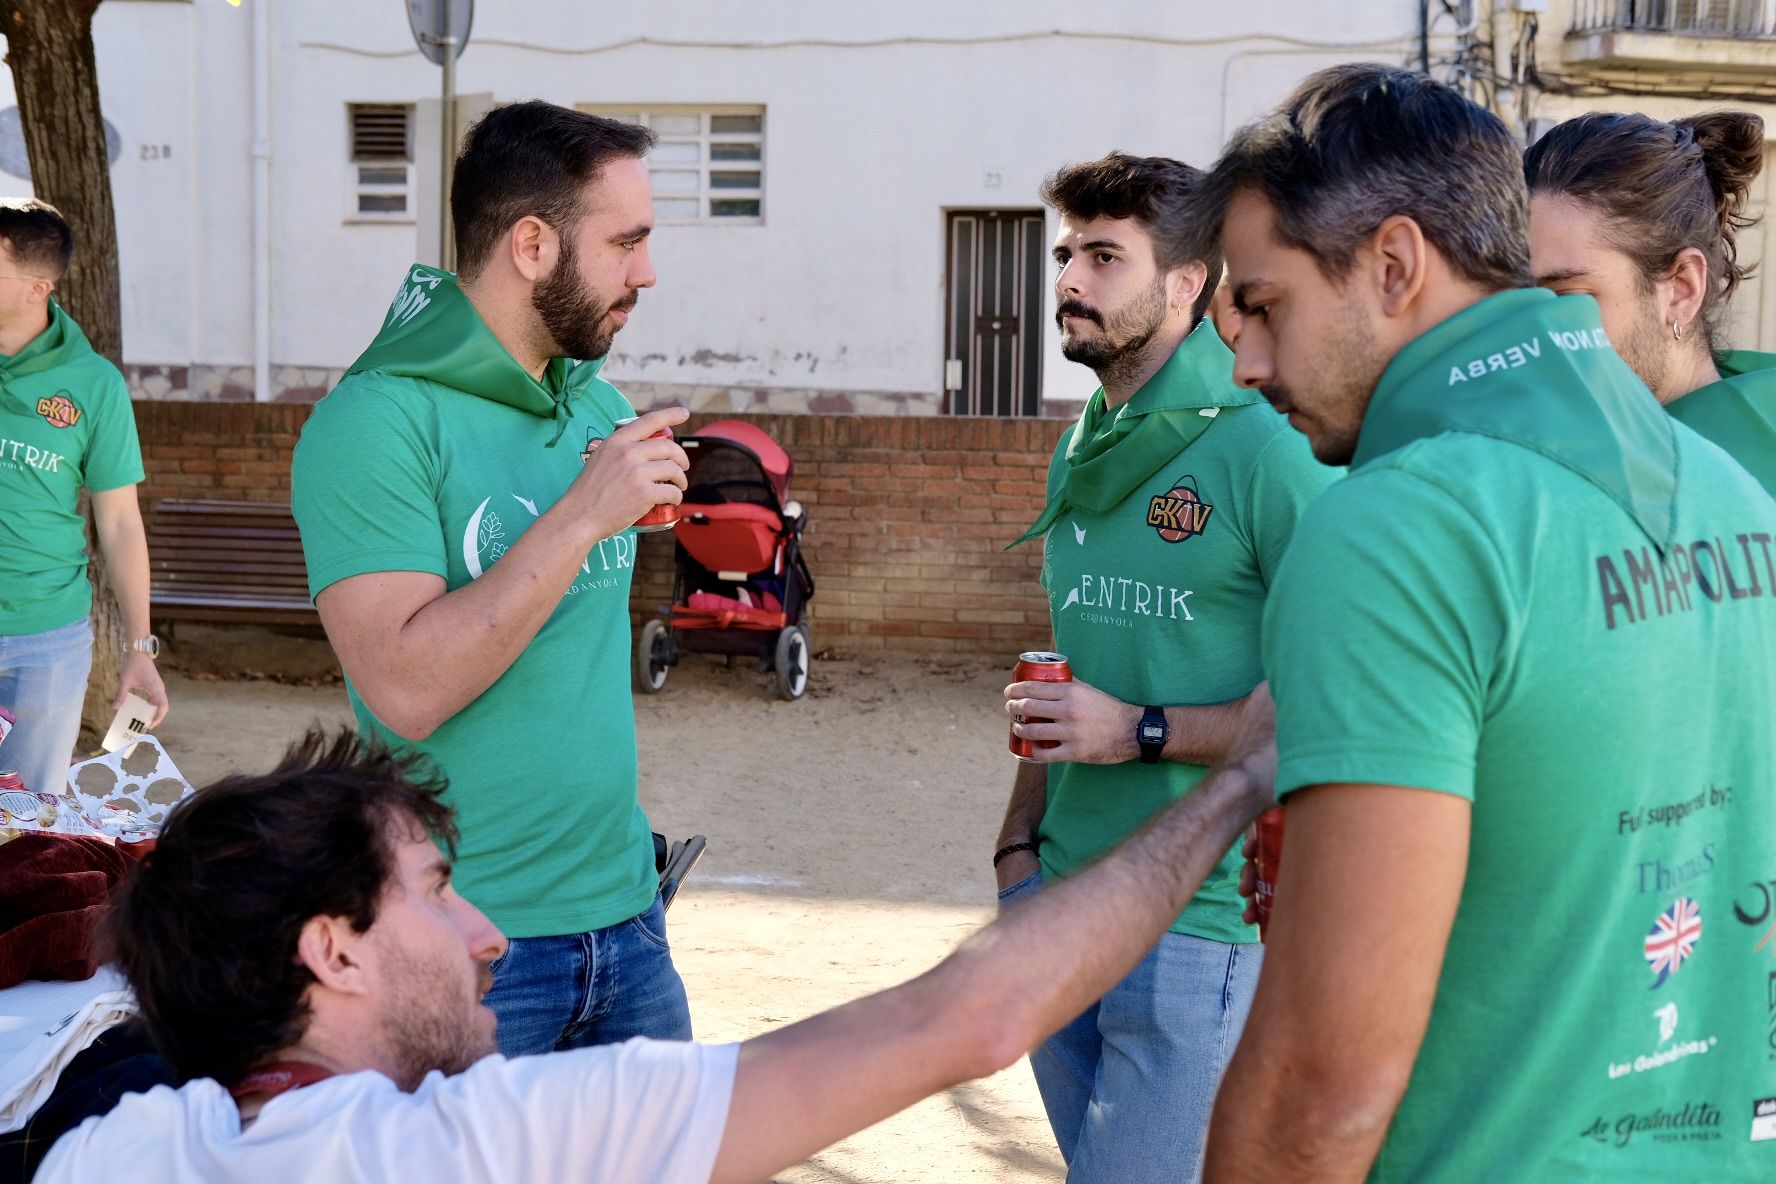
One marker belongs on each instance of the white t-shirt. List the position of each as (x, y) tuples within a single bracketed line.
[(644, 1112)]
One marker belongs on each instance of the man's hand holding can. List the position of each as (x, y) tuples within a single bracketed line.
[(664, 515), (634, 469)]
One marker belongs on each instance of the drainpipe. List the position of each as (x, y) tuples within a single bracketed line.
[(1504, 42), (262, 391)]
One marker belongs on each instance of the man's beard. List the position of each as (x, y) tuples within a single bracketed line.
[(1646, 349), (430, 1026), (573, 316), (1126, 334), (1342, 389)]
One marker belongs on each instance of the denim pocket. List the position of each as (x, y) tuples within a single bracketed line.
[(1024, 887), (651, 924)]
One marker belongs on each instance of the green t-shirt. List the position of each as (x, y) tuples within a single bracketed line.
[(1158, 599), (1481, 609), (400, 472), (65, 422), (1738, 412)]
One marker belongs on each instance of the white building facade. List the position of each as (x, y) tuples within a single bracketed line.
[(847, 203)]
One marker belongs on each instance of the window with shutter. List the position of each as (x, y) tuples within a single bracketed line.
[(708, 165), (381, 165)]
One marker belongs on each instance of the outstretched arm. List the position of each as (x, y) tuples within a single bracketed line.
[(799, 1089)]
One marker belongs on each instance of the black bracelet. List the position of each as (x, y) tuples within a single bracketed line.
[(1011, 849)]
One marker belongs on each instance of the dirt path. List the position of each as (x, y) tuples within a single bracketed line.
[(848, 843)]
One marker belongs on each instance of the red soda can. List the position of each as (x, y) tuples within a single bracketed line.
[(1270, 858), (1036, 666), (10, 779), (663, 516)]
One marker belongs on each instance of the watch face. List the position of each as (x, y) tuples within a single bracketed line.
[(1152, 733)]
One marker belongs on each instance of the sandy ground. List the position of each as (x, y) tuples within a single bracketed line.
[(848, 843)]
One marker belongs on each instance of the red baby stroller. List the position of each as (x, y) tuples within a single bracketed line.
[(740, 585)]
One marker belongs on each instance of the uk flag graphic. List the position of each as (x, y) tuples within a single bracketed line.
[(1673, 938)]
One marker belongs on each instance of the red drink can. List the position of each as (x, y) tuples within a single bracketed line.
[(663, 516), (1037, 666), (1270, 858)]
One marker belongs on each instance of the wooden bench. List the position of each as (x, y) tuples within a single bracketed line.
[(227, 561)]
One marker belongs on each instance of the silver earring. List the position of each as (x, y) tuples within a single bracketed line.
[(1676, 333)]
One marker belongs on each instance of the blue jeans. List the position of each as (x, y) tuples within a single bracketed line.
[(599, 987), (1129, 1084), (43, 683)]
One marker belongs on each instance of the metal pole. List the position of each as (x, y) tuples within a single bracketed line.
[(447, 155), (262, 17)]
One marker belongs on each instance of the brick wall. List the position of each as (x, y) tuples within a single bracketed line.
[(908, 514), (225, 450)]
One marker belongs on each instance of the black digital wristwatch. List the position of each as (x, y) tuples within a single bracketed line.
[(1150, 735)]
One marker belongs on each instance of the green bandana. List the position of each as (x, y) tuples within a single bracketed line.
[(433, 332), (1739, 412), (1536, 370), (59, 344), (1112, 453)]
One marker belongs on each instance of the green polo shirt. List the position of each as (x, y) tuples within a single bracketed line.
[(1537, 592), (1158, 598), (1738, 412), (65, 422), (435, 454)]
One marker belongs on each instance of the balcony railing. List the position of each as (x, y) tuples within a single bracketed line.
[(1684, 18)]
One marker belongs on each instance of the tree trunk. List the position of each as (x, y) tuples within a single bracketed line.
[(55, 72), (49, 46)]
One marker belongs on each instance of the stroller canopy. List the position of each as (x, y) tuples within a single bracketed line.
[(777, 465)]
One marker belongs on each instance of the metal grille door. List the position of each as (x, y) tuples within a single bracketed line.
[(993, 315)]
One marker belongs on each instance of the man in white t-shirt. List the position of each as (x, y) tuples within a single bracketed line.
[(301, 958)]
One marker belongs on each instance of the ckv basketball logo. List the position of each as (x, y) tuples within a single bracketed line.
[(60, 411), (1179, 513)]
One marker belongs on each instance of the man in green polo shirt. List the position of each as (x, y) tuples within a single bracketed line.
[(1170, 503), (65, 424), (1521, 663), (1644, 215), (465, 501)]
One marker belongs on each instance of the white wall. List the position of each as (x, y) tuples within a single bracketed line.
[(879, 118), (155, 177), (866, 147), (873, 131)]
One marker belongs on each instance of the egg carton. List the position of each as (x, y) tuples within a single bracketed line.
[(123, 795)]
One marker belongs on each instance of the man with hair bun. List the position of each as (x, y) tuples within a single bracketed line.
[(1521, 663), (1170, 504), (1644, 215)]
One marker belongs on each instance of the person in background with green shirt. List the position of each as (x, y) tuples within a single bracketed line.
[(1521, 664), (1643, 215), (1170, 503), (466, 503), (65, 424)]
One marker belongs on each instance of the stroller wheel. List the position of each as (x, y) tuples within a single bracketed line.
[(792, 662), (650, 658)]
